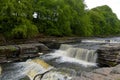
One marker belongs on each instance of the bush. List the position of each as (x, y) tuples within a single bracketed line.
[(24, 30), (53, 32)]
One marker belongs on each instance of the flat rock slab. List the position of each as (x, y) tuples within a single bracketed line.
[(111, 73), (116, 70)]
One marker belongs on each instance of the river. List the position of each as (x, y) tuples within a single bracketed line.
[(69, 60)]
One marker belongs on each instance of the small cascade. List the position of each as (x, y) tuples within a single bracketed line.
[(30, 68), (109, 40), (73, 57), (65, 47), (79, 53)]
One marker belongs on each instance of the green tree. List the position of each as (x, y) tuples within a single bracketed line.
[(104, 21), (25, 30), (12, 14), (53, 15)]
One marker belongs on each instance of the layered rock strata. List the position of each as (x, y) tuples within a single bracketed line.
[(109, 55), (21, 52)]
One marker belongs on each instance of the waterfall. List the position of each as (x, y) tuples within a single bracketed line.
[(79, 53), (30, 68), (65, 47)]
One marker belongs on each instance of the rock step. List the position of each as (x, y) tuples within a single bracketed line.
[(111, 60), (109, 55), (21, 52)]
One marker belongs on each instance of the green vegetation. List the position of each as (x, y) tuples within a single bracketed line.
[(104, 21), (55, 18)]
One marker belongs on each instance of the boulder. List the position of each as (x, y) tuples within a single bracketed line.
[(109, 55), (41, 47)]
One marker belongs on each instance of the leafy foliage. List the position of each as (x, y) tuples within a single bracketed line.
[(24, 30), (55, 18), (104, 21)]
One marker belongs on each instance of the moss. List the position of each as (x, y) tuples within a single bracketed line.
[(112, 63), (11, 48)]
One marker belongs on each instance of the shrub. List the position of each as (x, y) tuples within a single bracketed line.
[(24, 30), (53, 32)]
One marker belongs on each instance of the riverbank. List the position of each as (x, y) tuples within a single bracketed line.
[(41, 38), (5, 41), (46, 39)]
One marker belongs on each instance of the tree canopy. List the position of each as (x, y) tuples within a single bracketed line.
[(104, 21), (55, 18)]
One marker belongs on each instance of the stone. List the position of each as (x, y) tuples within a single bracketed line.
[(103, 71), (109, 55), (21, 52), (116, 70), (109, 73)]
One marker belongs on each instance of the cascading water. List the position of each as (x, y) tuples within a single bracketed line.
[(79, 53), (30, 68), (70, 60), (73, 58)]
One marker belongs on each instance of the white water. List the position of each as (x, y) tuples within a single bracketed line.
[(103, 40), (79, 53), (68, 53), (30, 68)]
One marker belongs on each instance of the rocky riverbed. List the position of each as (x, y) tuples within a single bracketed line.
[(108, 73), (66, 67)]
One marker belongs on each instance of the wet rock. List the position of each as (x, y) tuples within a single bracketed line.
[(21, 52), (116, 70), (101, 74), (102, 71), (54, 43), (8, 53), (42, 48), (109, 55), (9, 50), (25, 78)]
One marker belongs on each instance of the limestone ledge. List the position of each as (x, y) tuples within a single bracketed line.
[(11, 53)]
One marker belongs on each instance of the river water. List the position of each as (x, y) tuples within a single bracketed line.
[(69, 60)]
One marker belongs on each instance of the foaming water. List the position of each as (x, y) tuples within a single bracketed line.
[(16, 71), (78, 53), (63, 57), (102, 40)]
